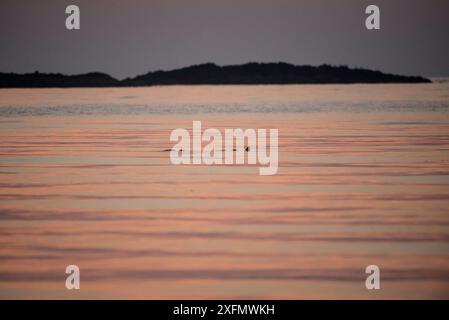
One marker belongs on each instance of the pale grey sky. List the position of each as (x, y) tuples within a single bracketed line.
[(126, 38)]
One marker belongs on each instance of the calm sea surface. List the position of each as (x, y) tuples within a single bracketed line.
[(363, 179)]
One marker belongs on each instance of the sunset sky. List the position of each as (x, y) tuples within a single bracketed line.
[(134, 38)]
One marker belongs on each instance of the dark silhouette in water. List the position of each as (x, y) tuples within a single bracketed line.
[(209, 73), (180, 150)]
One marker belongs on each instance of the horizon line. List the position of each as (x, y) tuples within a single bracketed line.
[(217, 65)]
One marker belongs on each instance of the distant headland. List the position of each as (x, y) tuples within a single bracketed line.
[(209, 73)]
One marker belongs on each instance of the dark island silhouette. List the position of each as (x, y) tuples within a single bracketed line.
[(209, 73), (56, 80)]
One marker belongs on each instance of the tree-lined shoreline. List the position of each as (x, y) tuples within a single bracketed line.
[(212, 74)]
